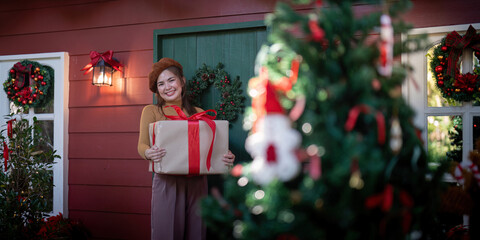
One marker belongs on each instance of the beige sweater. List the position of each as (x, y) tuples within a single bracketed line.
[(150, 114)]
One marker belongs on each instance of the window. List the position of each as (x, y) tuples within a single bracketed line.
[(53, 118), (448, 128)]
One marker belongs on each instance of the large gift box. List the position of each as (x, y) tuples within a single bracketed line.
[(189, 144)]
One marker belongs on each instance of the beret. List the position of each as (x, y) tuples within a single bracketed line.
[(158, 68)]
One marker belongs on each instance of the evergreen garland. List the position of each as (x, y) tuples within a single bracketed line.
[(232, 100), (29, 84)]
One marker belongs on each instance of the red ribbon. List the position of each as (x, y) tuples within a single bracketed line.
[(153, 143), (106, 56), (362, 108), (383, 199), (21, 71), (5, 154), (407, 201), (457, 43), (194, 134), (10, 128)]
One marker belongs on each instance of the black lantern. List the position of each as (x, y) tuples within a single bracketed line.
[(102, 74)]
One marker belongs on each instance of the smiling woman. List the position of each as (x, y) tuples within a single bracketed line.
[(174, 197)]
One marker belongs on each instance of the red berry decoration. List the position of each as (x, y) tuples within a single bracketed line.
[(439, 69), (477, 54), (444, 48), (440, 83)]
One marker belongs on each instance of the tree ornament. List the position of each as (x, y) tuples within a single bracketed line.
[(273, 156), (396, 136), (356, 181), (230, 93), (23, 78), (445, 67), (386, 46)]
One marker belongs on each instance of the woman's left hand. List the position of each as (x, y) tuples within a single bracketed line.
[(229, 158)]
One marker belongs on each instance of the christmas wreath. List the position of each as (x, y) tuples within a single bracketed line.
[(231, 98), (29, 84), (445, 66)]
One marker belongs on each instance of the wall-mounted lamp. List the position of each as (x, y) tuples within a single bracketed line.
[(103, 66)]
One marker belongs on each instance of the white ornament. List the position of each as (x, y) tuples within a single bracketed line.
[(386, 46), (273, 130)]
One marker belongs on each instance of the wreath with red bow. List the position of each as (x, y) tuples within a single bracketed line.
[(29, 84), (231, 98), (445, 66)]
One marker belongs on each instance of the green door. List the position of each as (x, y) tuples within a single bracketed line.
[(235, 45)]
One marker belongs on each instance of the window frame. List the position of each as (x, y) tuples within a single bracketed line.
[(59, 61), (414, 88)]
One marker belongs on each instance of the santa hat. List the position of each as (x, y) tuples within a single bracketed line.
[(272, 105)]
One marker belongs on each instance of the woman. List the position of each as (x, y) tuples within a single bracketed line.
[(175, 207)]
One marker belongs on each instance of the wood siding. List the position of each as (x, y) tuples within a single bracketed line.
[(109, 188)]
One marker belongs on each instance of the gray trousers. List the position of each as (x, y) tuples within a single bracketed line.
[(175, 207)]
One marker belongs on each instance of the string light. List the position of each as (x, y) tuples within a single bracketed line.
[(242, 182), (259, 194)]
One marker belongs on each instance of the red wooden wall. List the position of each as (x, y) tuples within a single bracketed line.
[(109, 187)]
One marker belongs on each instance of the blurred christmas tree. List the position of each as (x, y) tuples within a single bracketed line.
[(26, 182), (362, 170)]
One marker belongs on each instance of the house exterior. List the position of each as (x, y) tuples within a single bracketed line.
[(104, 182)]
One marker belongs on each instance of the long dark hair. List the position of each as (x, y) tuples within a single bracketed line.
[(185, 99)]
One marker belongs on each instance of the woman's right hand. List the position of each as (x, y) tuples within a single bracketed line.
[(155, 153)]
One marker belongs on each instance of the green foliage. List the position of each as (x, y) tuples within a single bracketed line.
[(26, 186), (231, 99), (338, 72)]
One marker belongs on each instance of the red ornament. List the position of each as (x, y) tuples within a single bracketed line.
[(8, 93), (439, 69), (12, 71), (15, 88), (477, 54), (24, 102), (43, 83), (34, 95), (470, 90), (444, 48), (440, 83)]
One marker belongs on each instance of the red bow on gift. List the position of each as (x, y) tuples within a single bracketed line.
[(193, 138), (106, 56), (457, 43)]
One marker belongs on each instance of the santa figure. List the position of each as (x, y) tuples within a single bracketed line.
[(273, 144)]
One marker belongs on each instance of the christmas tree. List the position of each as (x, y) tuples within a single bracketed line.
[(336, 155), (26, 179)]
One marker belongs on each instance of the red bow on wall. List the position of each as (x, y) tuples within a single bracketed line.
[(106, 56)]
